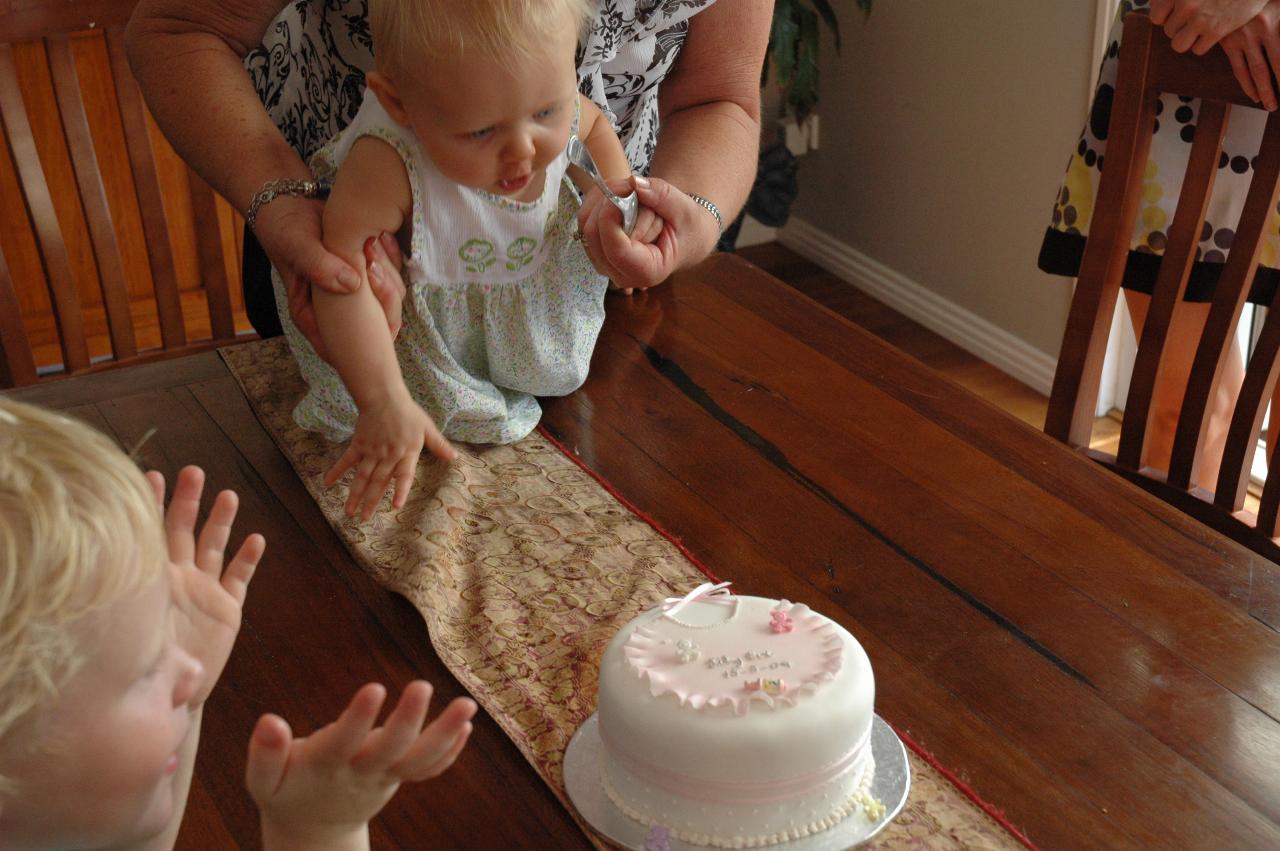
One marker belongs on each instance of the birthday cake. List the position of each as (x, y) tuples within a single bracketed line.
[(736, 721)]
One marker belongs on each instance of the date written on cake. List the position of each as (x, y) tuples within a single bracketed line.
[(751, 662)]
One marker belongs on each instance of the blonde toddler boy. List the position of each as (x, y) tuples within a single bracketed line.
[(115, 624)]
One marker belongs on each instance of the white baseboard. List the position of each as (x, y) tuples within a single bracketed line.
[(754, 233), (967, 330)]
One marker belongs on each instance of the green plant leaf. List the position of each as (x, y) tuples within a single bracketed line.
[(792, 55), (786, 32), (829, 16), (803, 94)]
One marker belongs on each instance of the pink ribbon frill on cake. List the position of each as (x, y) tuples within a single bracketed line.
[(729, 663)]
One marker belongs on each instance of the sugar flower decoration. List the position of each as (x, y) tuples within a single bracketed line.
[(687, 651), (658, 839), (780, 622), (872, 807)]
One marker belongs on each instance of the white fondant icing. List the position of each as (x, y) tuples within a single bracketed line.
[(723, 775)]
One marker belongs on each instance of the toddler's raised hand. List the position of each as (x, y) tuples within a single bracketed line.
[(387, 443), (320, 791), (207, 598)]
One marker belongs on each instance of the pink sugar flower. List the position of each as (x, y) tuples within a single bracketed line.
[(780, 622), (658, 839)]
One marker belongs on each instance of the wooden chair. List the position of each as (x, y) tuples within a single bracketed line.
[(1147, 67), (105, 237)]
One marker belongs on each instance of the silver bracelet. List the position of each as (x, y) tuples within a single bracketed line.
[(273, 189), (709, 207)]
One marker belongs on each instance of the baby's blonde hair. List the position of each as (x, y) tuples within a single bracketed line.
[(79, 529), (408, 31)]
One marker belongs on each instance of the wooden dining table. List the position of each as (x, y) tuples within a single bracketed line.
[(1101, 668)]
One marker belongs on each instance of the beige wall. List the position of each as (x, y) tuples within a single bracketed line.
[(945, 128)]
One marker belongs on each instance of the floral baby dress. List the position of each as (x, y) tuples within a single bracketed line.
[(502, 306)]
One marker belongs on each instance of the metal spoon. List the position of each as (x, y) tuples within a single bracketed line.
[(628, 205)]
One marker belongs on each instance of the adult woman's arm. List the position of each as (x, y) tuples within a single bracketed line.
[(707, 145), (187, 56)]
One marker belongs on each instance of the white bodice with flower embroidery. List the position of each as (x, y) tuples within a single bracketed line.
[(459, 234)]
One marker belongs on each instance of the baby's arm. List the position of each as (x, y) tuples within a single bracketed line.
[(597, 134), (371, 194), (606, 148), (319, 792)]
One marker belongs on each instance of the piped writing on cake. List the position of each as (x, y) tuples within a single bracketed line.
[(770, 664)]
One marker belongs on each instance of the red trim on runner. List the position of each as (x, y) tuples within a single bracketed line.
[(990, 809)]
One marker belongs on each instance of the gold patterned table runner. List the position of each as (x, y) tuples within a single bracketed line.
[(524, 567)]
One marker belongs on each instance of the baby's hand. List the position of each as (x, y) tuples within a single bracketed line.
[(388, 440), (320, 791), (206, 598), (646, 232), (648, 226)]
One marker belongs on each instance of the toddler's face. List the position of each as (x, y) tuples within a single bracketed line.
[(493, 127), (104, 761)]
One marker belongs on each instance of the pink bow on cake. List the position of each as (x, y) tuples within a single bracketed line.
[(707, 592)]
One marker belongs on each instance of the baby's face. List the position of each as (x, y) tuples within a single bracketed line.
[(104, 761), (493, 127)]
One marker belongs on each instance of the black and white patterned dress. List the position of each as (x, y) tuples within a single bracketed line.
[(309, 70)]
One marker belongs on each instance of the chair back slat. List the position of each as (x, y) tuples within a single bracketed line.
[(1149, 67), (53, 251), (115, 254), (1171, 282), (1269, 505), (93, 196), (1228, 302), (213, 268), (1075, 384), (17, 367), (1246, 420), (146, 182)]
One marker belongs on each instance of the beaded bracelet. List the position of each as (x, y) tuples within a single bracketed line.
[(709, 207), (273, 189)]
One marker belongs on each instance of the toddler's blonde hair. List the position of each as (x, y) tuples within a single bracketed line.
[(79, 529), (405, 31)]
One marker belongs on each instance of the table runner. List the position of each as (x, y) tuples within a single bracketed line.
[(524, 565)]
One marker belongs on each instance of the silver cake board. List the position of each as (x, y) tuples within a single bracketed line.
[(890, 784)]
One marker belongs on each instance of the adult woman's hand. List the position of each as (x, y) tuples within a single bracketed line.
[(289, 230), (688, 232), (1254, 51), (1198, 25)]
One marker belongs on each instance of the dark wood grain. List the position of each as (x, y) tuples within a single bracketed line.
[(1080, 652)]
